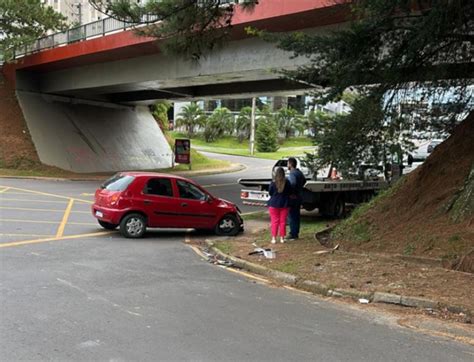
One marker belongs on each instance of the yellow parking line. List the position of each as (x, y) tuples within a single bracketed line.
[(248, 275), (5, 189), (29, 200), (61, 227), (48, 194), (17, 243)]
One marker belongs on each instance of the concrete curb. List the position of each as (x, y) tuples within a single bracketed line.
[(324, 290), (233, 168)]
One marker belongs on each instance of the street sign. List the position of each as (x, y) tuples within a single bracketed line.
[(182, 151)]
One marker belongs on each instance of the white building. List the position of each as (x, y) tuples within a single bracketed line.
[(77, 11)]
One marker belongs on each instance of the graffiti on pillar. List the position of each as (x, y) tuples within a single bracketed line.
[(81, 154)]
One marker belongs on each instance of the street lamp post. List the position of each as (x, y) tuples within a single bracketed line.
[(252, 127)]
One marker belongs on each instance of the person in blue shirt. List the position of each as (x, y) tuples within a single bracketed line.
[(278, 205), (297, 182)]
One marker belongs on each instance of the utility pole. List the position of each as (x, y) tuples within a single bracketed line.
[(252, 127)]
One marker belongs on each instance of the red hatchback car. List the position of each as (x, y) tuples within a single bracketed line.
[(137, 200)]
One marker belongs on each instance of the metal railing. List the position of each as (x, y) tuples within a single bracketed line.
[(89, 31), (83, 32)]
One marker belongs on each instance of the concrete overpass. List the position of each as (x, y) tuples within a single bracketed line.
[(92, 95)]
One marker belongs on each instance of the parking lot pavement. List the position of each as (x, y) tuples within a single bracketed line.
[(30, 216)]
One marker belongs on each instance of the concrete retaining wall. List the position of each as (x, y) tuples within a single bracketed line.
[(93, 137)]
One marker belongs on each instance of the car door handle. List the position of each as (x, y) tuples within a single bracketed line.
[(147, 202), (184, 204)]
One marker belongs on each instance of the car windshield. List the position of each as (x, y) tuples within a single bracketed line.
[(281, 163), (117, 182)]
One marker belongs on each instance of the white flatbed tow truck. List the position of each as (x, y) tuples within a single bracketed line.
[(329, 196)]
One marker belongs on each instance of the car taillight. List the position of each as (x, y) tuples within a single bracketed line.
[(114, 199), (244, 195)]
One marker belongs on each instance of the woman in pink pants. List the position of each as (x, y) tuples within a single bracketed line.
[(278, 205)]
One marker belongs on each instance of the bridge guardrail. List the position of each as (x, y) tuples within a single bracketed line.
[(87, 31), (83, 32)]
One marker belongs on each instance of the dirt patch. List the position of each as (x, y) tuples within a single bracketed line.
[(365, 272), (16, 147), (417, 218)]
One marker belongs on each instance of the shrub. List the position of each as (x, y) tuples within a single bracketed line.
[(266, 135)]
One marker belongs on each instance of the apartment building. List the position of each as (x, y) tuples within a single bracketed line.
[(77, 11)]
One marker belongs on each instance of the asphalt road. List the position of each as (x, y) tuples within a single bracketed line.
[(71, 291)]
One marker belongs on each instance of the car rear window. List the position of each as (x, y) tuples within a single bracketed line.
[(117, 182)]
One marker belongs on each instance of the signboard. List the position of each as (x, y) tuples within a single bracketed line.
[(182, 151)]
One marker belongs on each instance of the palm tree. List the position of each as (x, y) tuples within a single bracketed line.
[(220, 122), (242, 125), (190, 117), (289, 120)]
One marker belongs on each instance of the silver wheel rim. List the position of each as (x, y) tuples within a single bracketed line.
[(134, 226), (227, 224)]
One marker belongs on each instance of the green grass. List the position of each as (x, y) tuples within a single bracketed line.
[(255, 215), (357, 229), (198, 162), (36, 169), (225, 246), (230, 145), (409, 249), (308, 227), (290, 267)]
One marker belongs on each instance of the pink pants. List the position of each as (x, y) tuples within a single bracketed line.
[(278, 220)]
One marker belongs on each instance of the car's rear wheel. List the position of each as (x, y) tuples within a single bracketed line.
[(228, 226), (133, 226), (107, 225)]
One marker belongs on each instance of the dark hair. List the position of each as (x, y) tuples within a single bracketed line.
[(280, 179), (292, 162)]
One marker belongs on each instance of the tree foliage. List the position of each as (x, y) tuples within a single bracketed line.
[(243, 123), (266, 134), (190, 117), (289, 121), (24, 21), (219, 123), (394, 52), (160, 112), (189, 27)]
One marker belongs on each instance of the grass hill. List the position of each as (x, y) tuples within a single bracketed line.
[(429, 213)]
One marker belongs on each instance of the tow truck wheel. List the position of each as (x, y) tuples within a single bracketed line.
[(339, 208)]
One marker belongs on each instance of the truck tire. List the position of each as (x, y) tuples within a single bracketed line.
[(339, 208), (333, 207), (309, 207)]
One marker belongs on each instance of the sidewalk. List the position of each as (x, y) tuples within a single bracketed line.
[(233, 167), (394, 279)]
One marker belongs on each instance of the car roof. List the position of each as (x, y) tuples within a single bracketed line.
[(151, 174)]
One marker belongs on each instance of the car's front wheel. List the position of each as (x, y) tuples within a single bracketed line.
[(107, 225), (228, 226), (133, 226)]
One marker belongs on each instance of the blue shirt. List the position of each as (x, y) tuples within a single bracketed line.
[(279, 199), (297, 182)]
